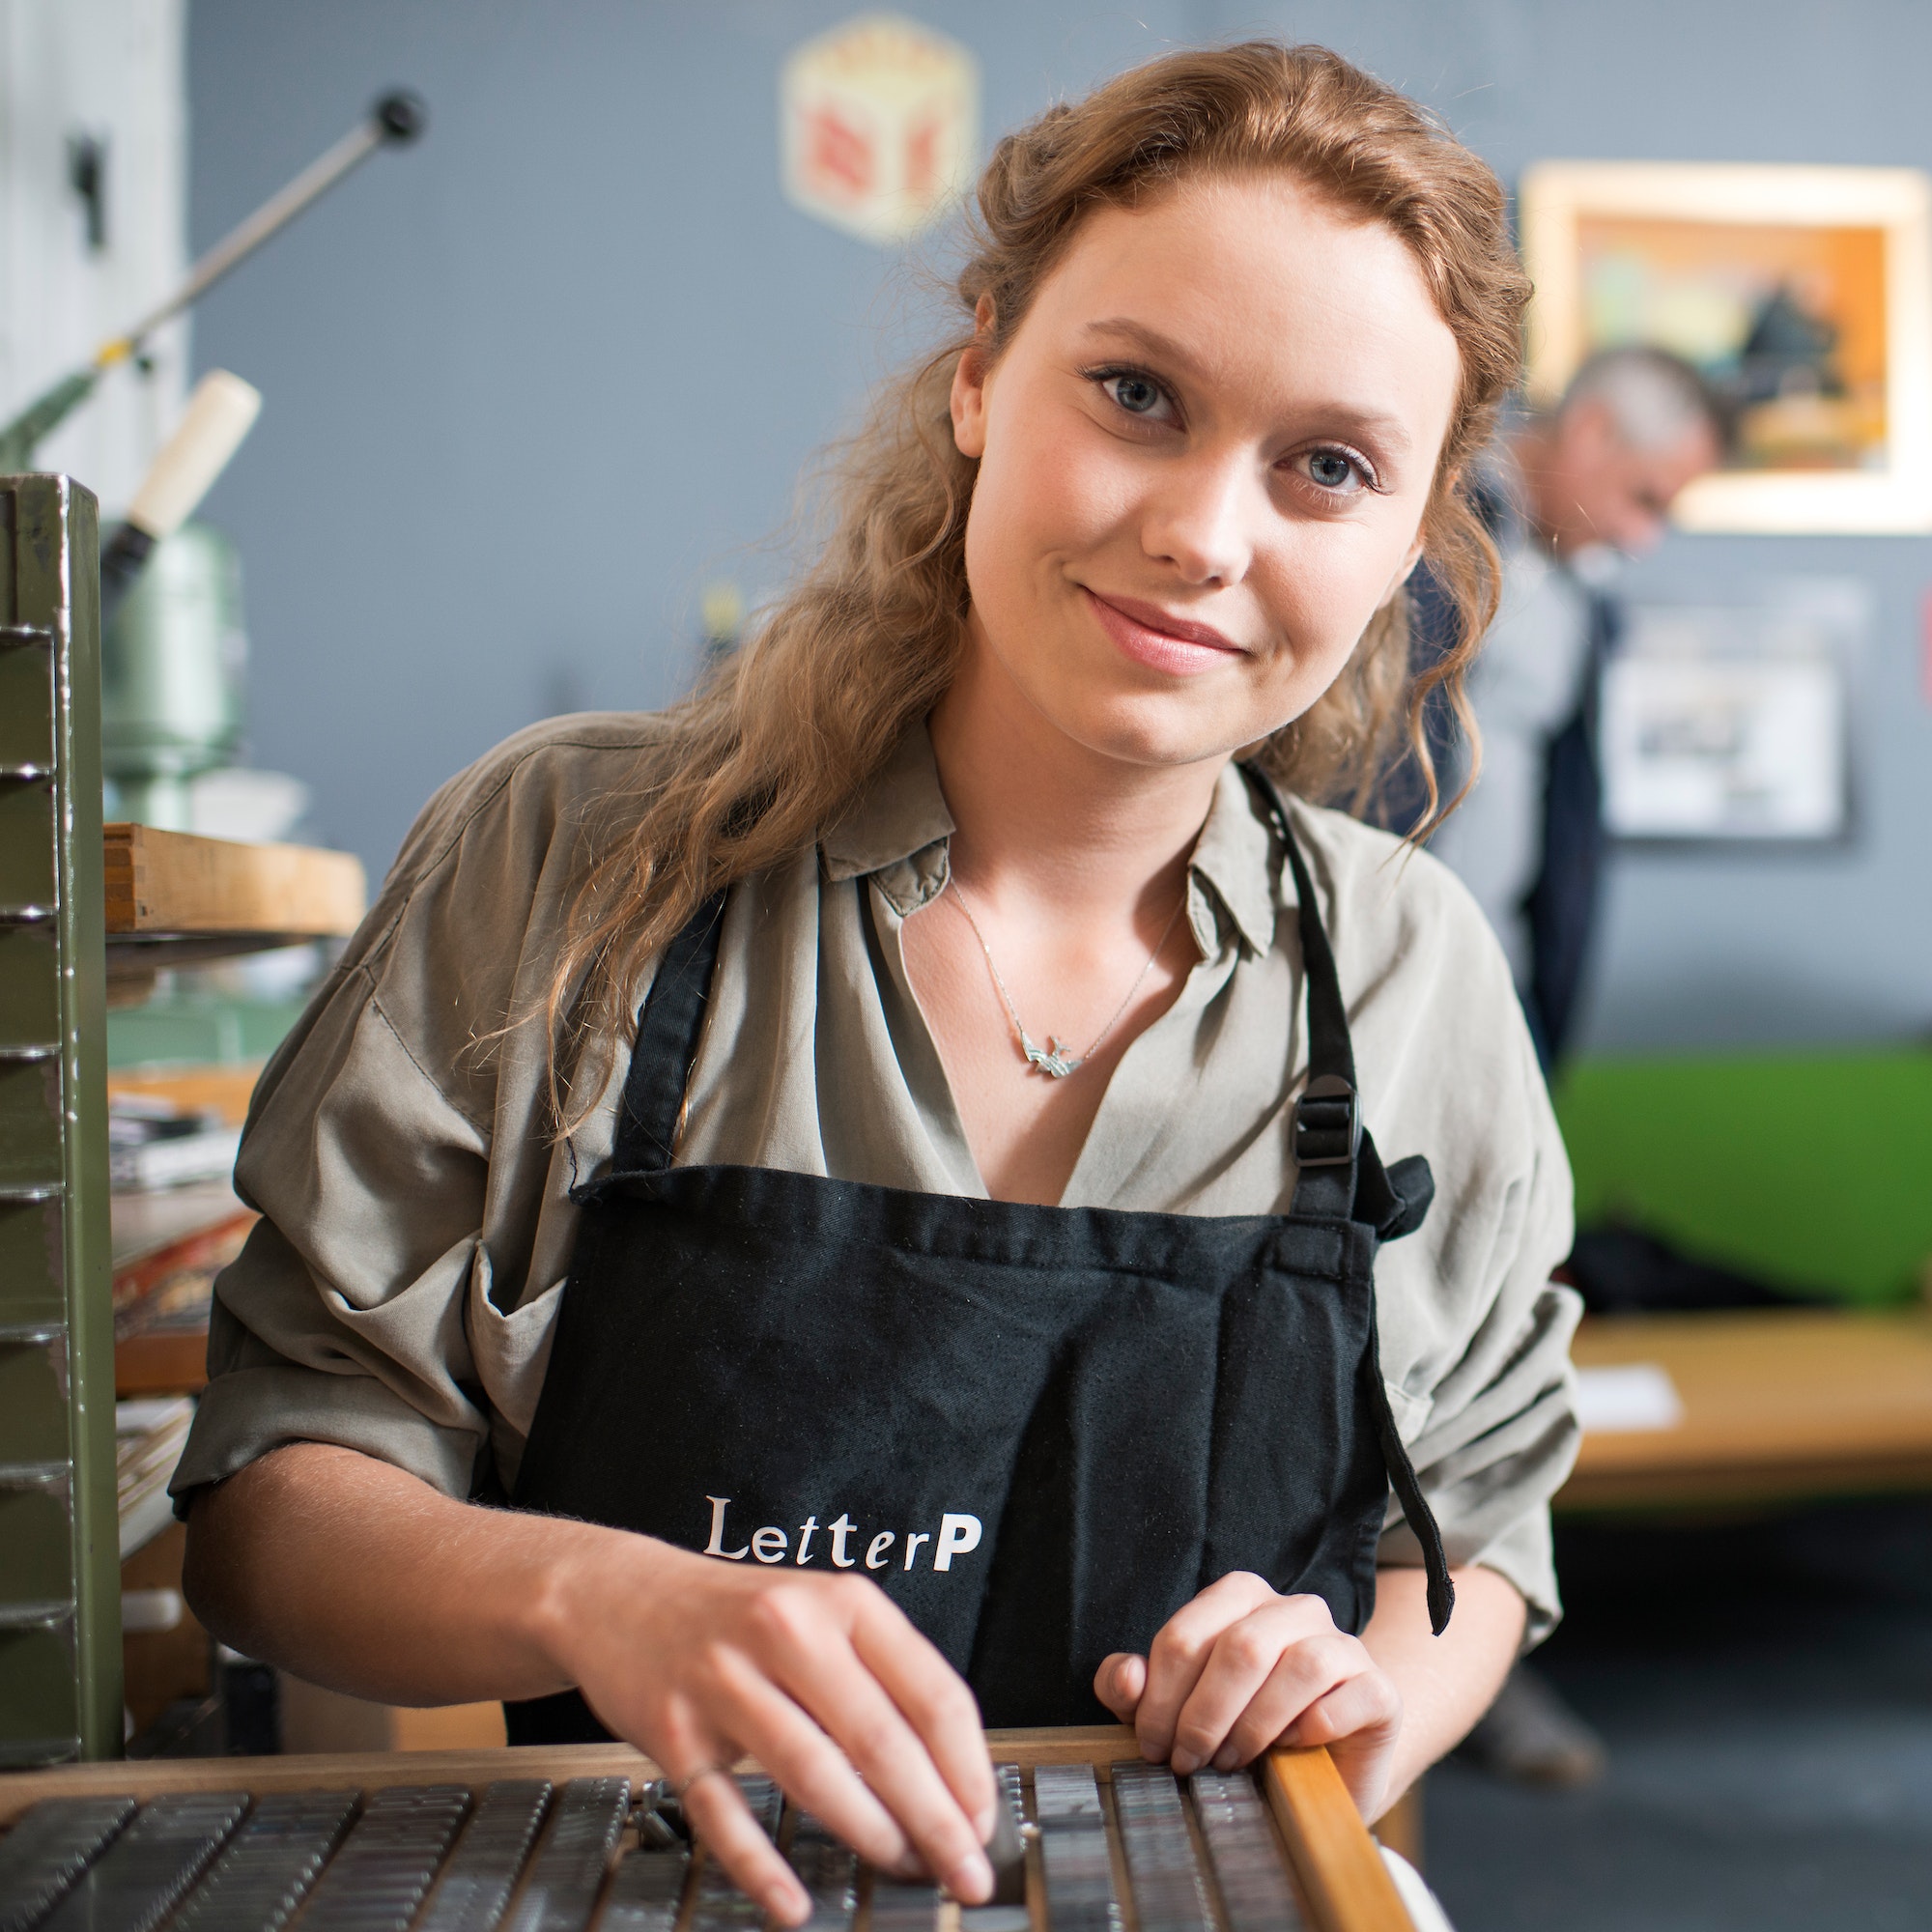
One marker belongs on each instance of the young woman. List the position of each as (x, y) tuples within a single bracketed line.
[(951, 1297)]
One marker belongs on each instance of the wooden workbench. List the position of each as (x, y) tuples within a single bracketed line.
[(1779, 1405)]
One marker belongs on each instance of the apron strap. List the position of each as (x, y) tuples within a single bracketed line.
[(1408, 1488), (668, 1024), (1329, 1114), (1334, 1156)]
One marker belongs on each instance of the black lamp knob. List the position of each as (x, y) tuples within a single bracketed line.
[(402, 115)]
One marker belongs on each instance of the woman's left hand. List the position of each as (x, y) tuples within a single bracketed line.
[(1242, 1667)]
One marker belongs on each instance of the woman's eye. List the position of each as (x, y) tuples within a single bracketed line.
[(1136, 394), (1335, 470)]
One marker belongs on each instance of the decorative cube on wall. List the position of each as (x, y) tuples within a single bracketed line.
[(879, 125)]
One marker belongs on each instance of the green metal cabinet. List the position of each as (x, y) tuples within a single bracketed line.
[(60, 1605)]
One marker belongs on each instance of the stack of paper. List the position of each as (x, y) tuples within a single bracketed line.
[(152, 1144), (148, 1441), (1627, 1397)]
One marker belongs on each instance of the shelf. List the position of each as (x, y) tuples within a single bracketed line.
[(172, 1362), (173, 899)]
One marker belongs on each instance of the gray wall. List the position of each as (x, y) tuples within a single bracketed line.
[(530, 384)]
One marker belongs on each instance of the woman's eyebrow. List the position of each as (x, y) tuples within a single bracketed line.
[(1387, 432), (1149, 339)]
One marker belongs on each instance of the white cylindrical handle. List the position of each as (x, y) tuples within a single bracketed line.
[(220, 413), (145, 1612)]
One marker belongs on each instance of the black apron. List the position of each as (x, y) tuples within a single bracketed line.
[(1040, 1430)]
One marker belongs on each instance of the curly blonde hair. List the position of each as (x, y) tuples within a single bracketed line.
[(793, 725)]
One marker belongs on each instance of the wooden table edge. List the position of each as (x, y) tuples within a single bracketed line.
[(1726, 1481), (1342, 1873)]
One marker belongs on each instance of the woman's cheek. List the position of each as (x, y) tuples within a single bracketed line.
[(1314, 614), (1075, 494)]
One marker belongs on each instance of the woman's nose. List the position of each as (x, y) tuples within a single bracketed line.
[(1201, 519)]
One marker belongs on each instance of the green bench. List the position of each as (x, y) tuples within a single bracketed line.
[(1807, 1170)]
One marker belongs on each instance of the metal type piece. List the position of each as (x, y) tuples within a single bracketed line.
[(720, 1906), (1005, 1849), (661, 1829), (828, 1870), (488, 1858), (270, 1865), (1074, 1859), (377, 1881), (141, 1878), (1006, 1852), (901, 1907), (1170, 1893), (585, 1824), (1250, 1867), (50, 1846), (764, 1799), (662, 1826), (646, 1892)]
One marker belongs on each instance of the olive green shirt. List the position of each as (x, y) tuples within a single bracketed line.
[(398, 1294)]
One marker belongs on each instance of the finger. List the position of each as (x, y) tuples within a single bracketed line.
[(1180, 1649), (811, 1769), (1307, 1673), (722, 1819), (936, 1701), (1118, 1683), (918, 1738), (1246, 1657), (859, 1669), (1360, 1741), (1366, 1704)]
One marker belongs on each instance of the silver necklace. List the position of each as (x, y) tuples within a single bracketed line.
[(1053, 1060)]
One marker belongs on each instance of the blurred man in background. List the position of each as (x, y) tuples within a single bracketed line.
[(1571, 493)]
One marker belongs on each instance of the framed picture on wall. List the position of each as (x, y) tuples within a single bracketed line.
[(1802, 294), (1731, 723)]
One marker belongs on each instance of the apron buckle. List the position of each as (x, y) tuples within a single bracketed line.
[(1327, 1122)]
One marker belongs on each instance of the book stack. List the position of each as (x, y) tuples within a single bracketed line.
[(163, 1291), (153, 1143), (148, 1440)]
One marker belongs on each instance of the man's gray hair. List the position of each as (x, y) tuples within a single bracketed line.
[(1655, 399)]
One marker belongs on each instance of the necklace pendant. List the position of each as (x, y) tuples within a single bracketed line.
[(1052, 1059)]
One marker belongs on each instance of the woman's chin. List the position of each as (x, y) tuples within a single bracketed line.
[(1160, 733)]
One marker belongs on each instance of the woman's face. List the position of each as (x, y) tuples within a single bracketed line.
[(1203, 460)]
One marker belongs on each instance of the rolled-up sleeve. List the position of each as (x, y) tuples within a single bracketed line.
[(395, 1296), (1492, 1456), (342, 1321)]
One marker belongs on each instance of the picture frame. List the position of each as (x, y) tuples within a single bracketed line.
[(1729, 722), (1802, 294)]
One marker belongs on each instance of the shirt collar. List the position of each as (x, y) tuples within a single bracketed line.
[(1239, 858), (901, 821), (897, 817)]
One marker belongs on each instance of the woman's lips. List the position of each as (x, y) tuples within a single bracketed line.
[(1150, 636)]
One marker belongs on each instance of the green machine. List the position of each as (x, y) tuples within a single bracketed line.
[(60, 1563), (171, 677)]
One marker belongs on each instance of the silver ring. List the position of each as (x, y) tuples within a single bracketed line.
[(679, 1786)]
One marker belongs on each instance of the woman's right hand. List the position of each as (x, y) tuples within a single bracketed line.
[(359, 1576), (821, 1678)]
